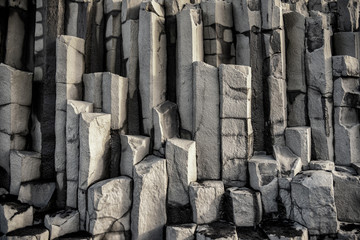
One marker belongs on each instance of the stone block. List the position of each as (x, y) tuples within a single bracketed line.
[(93, 89), (217, 12), (322, 165), (14, 119), (345, 66), (14, 216), (285, 230), (181, 168), (189, 49), (166, 124), (15, 85), (346, 43), (298, 139), (66, 92), (346, 92), (243, 52), (148, 214), (181, 231), (244, 202), (289, 163), (60, 141), (133, 150), (246, 15), (346, 135), (348, 15), (130, 10), (24, 167), (62, 223), (216, 231), (36, 232), (271, 15), (312, 193), (70, 62), (94, 148), (206, 122), (72, 193), (205, 200), (37, 194), (112, 5), (297, 109), (109, 204)]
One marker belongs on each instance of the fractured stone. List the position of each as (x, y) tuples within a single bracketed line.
[(289, 163), (297, 109), (14, 216), (348, 15), (93, 89), (246, 15), (298, 139), (37, 194), (322, 165), (345, 66), (14, 119), (66, 92), (346, 92), (36, 232), (181, 231), (216, 231), (62, 223), (346, 43), (271, 15)]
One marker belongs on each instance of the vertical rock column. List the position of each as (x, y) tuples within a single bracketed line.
[(3, 28), (93, 89), (85, 19), (15, 102), (346, 110), (274, 72), (152, 60), (218, 37), (320, 85), (189, 50), (50, 21), (70, 66), (206, 120), (235, 120), (112, 11), (294, 24)]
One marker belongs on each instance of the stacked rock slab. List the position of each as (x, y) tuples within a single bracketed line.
[(148, 214), (320, 85), (74, 109), (346, 107), (15, 216), (62, 223), (206, 121), (85, 19), (93, 83), (181, 231), (235, 122), (152, 60), (15, 102), (189, 49), (218, 37), (70, 66)]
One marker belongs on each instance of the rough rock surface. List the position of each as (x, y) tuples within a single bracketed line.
[(62, 223), (15, 216), (36, 193), (183, 231)]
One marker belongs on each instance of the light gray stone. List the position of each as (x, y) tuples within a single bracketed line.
[(72, 193), (297, 109), (216, 231), (60, 141), (166, 123), (271, 15), (346, 135), (24, 167), (66, 92), (62, 223), (14, 119), (322, 165), (114, 97), (289, 163), (348, 15), (181, 232), (148, 214), (206, 123), (345, 66), (172, 7), (14, 216), (109, 204), (234, 172), (346, 43), (346, 189), (284, 230), (243, 52), (94, 148), (15, 85), (133, 150), (93, 89), (244, 202), (346, 92), (312, 193), (130, 9), (70, 62), (246, 15), (275, 54), (189, 49), (205, 200), (37, 194), (298, 139), (152, 60), (112, 5), (346, 169), (219, 12), (29, 233), (181, 168)]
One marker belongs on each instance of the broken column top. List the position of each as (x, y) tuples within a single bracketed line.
[(112, 5), (153, 7), (70, 41)]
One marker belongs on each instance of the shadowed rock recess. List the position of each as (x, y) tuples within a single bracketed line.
[(180, 119)]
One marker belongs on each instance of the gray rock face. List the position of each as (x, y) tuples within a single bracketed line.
[(148, 214), (263, 172), (114, 97), (312, 193), (130, 9), (24, 167), (36, 193), (246, 15), (216, 231), (297, 109), (181, 232), (93, 89), (14, 119), (109, 204), (62, 223), (133, 150), (181, 168), (94, 148), (348, 20), (345, 66), (166, 124), (29, 233), (298, 139), (15, 216), (346, 92), (289, 163), (345, 43), (322, 165), (205, 200), (244, 202), (206, 123), (189, 49), (152, 60), (284, 230), (271, 15), (346, 189)]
